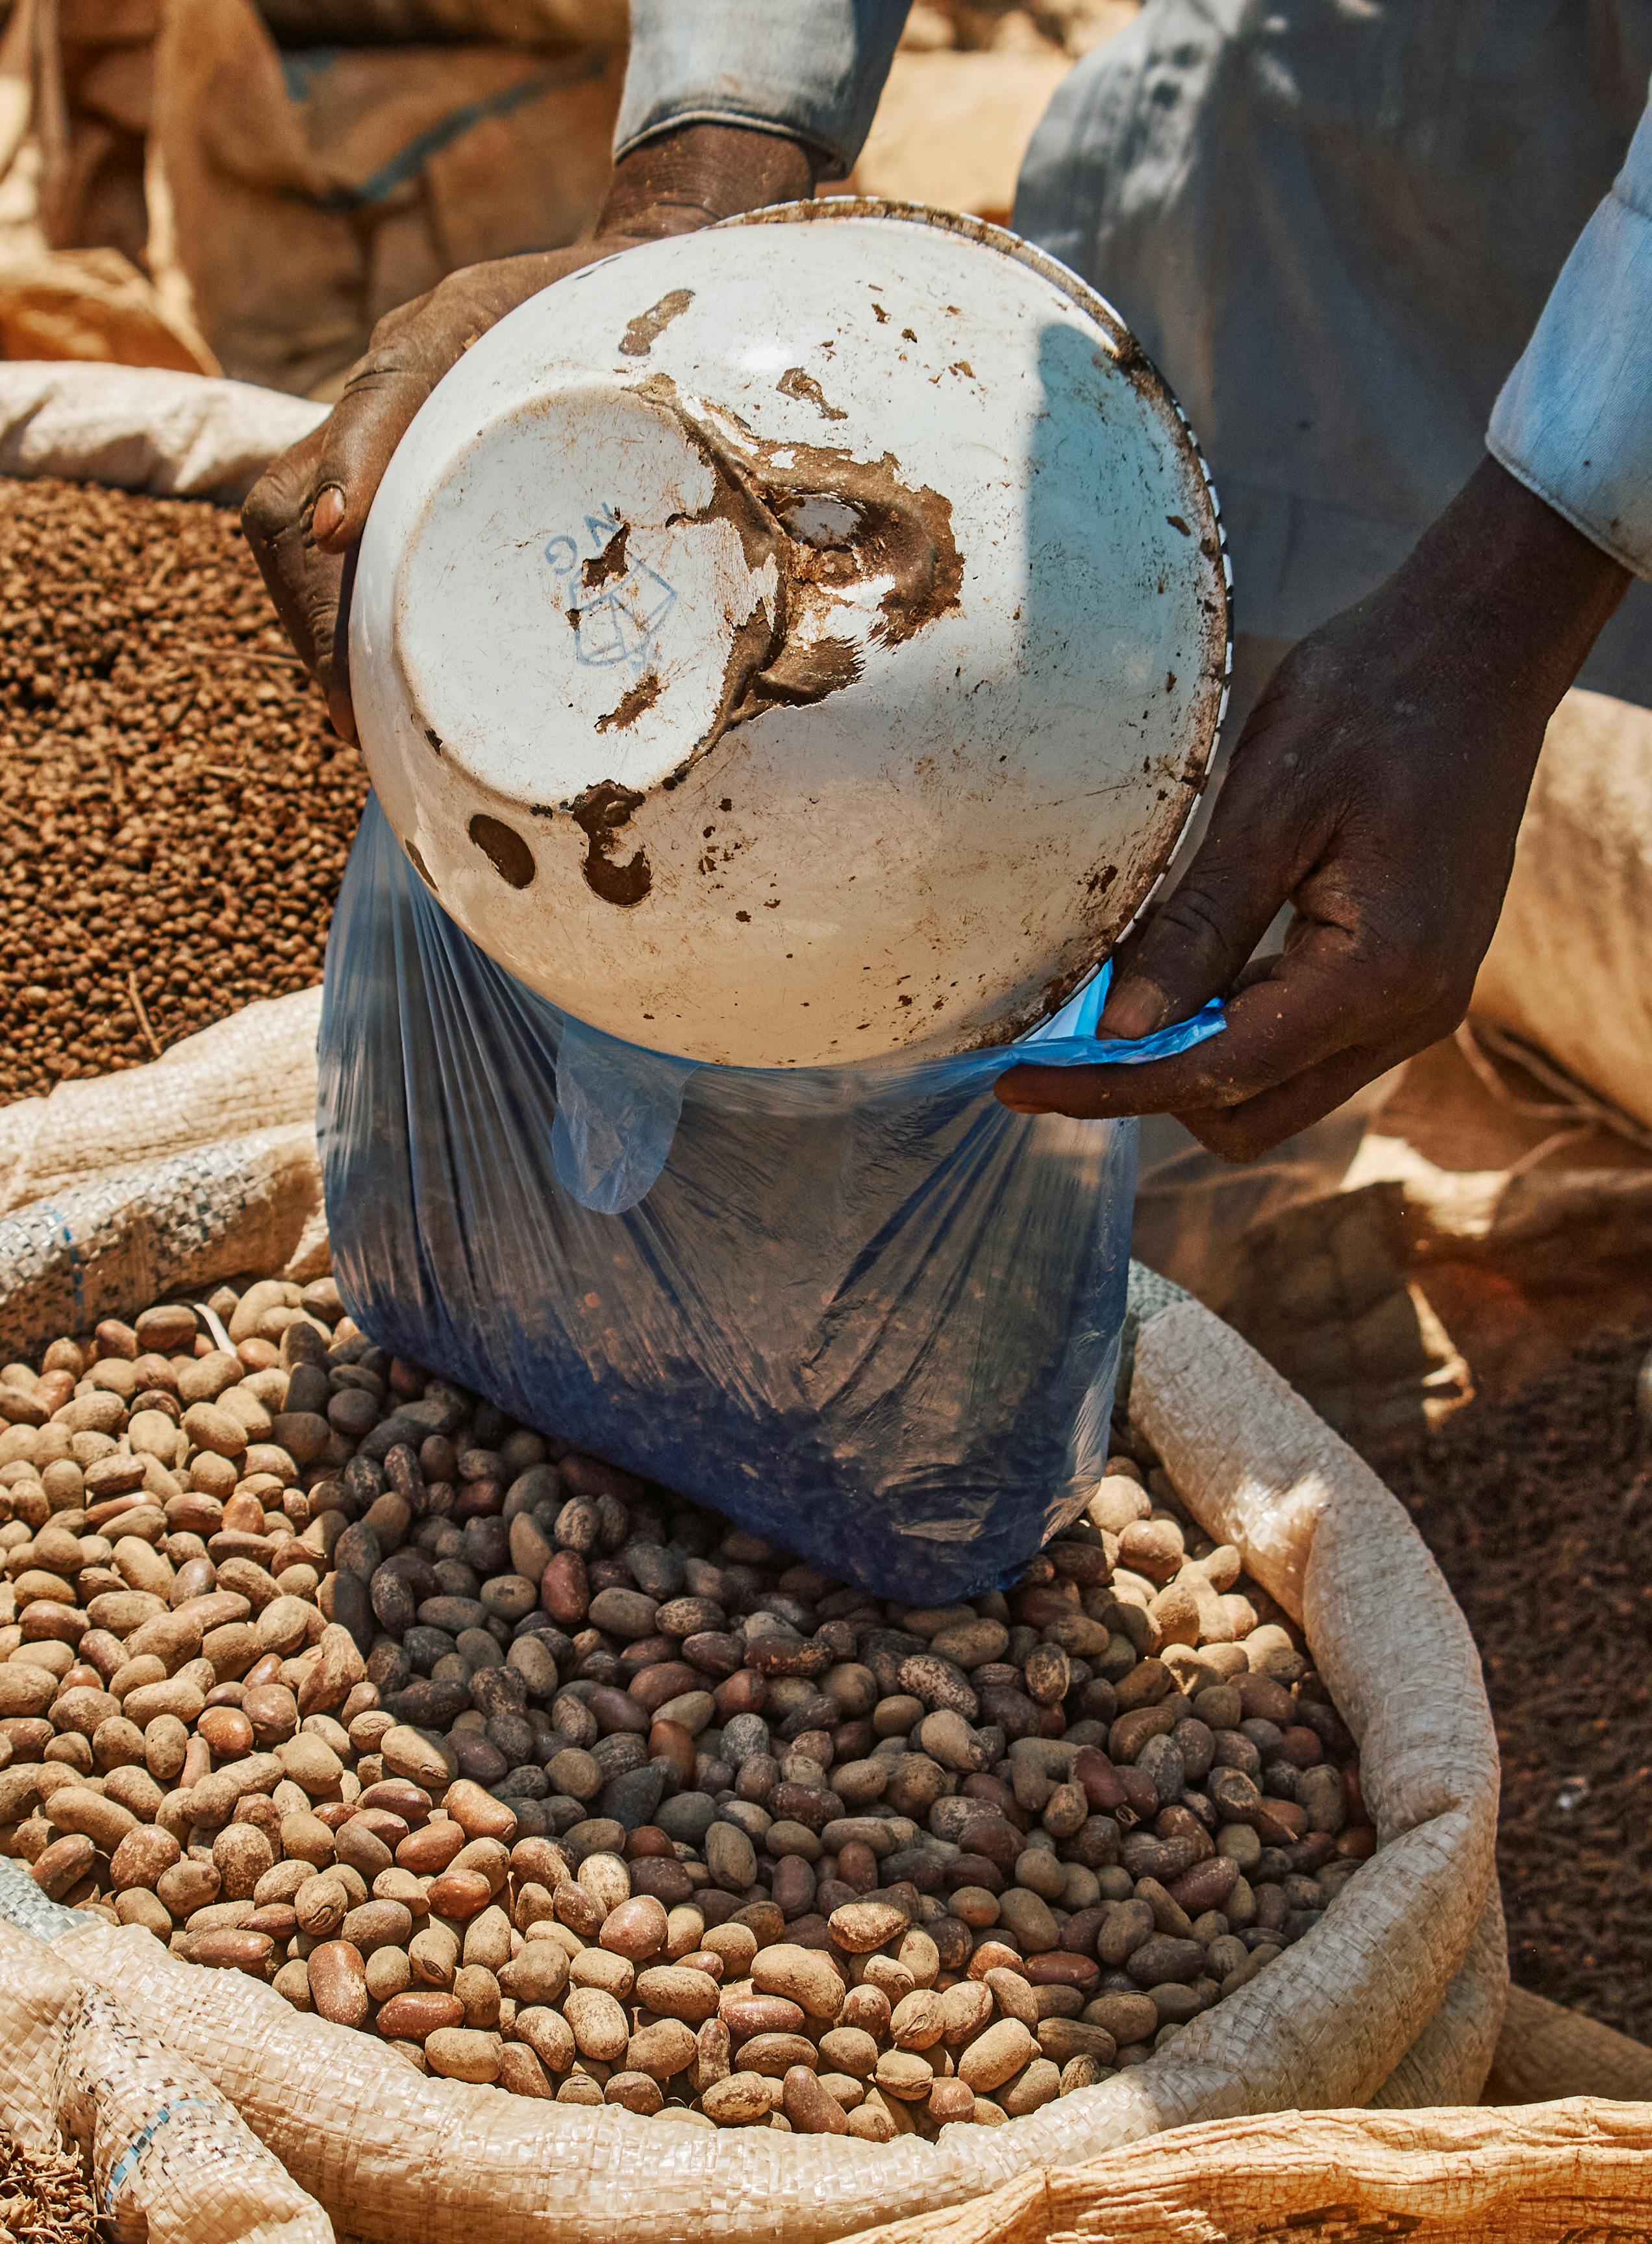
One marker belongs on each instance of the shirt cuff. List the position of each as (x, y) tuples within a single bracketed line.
[(812, 70), (1574, 422)]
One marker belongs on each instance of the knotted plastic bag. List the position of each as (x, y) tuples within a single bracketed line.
[(868, 1312)]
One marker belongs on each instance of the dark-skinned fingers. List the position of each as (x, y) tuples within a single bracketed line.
[(342, 579), (1330, 991), (1235, 1133), (1323, 996), (305, 587), (361, 432), (305, 583), (1241, 1133), (1252, 1053), (1264, 834), (283, 564), (275, 519), (276, 501), (1193, 947)]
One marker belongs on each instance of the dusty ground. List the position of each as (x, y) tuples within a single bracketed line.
[(1539, 1511)]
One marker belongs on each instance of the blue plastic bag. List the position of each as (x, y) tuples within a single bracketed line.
[(868, 1312)]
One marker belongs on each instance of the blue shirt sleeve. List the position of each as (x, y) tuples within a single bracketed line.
[(812, 70)]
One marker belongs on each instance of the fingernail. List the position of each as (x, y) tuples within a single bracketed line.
[(342, 717), (327, 515), (1135, 1009), (1011, 1092)]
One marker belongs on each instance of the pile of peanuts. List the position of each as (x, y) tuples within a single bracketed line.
[(319, 1668)]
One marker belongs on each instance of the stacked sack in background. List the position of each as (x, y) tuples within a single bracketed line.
[(246, 186), (180, 190)]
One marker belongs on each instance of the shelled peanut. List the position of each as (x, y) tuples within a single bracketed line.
[(320, 1668)]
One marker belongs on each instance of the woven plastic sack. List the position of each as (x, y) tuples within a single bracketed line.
[(176, 435), (867, 1311), (1546, 2053), (171, 2161), (163, 1179), (166, 1228), (1394, 1997), (256, 1070)]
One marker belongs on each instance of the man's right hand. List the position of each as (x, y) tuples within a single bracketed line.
[(304, 518)]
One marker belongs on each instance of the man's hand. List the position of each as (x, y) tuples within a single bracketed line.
[(1377, 788), (304, 518)]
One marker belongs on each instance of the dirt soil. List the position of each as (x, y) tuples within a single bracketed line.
[(176, 813), (1539, 1509)]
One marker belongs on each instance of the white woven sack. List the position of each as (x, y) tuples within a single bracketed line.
[(255, 1071), (120, 1189), (175, 435), (172, 1228)]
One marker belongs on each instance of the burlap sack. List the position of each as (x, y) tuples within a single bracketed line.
[(69, 288), (75, 304), (1570, 967), (1455, 1236), (302, 198)]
